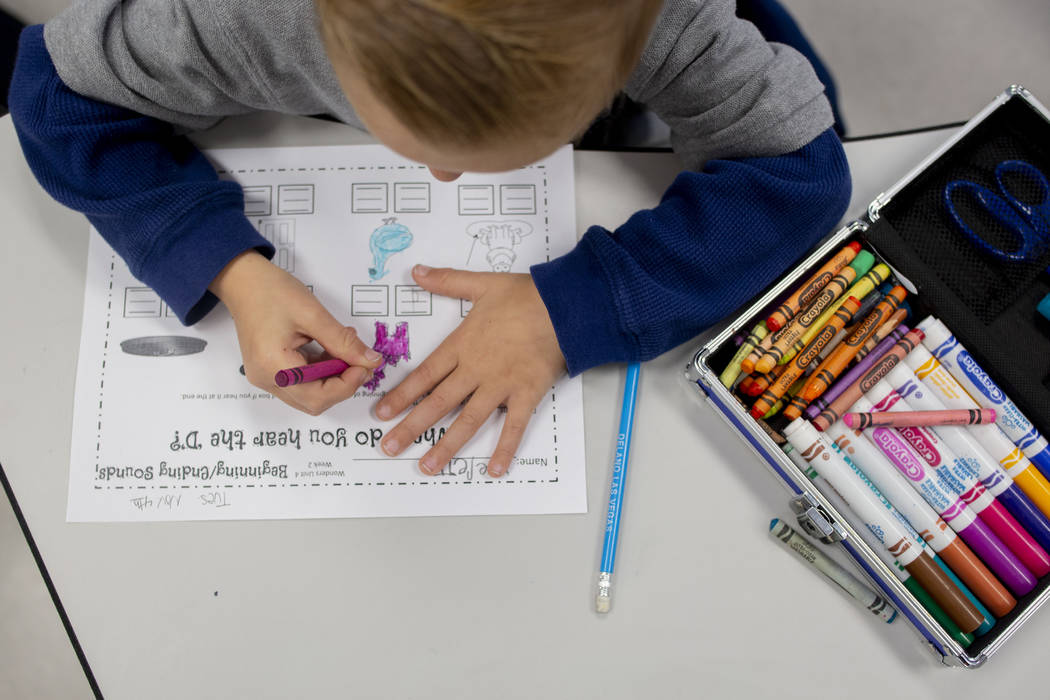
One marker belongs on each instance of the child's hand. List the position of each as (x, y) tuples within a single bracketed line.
[(504, 352), (276, 315)]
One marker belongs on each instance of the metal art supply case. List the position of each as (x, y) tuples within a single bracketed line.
[(989, 305)]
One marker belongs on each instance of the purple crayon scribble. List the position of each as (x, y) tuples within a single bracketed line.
[(392, 348)]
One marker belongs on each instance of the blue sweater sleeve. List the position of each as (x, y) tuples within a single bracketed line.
[(717, 238), (150, 193)]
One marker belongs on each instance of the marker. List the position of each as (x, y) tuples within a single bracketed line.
[(809, 289), (837, 362), (909, 582), (868, 379), (971, 416), (733, 369), (797, 327), (603, 598), (872, 509), (792, 541), (803, 360), (883, 472), (939, 381), (933, 470), (946, 348), (310, 373)]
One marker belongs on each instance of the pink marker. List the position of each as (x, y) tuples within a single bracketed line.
[(904, 419), (309, 373), (1019, 556)]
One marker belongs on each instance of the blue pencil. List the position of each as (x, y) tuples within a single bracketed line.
[(603, 599)]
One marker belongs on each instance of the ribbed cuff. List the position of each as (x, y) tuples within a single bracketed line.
[(582, 308)]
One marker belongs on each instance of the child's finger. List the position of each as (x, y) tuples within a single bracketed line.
[(517, 419), (317, 397), (430, 372), (440, 402), (340, 341), (449, 282), (473, 416)]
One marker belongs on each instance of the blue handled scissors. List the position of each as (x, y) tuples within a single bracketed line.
[(1029, 223)]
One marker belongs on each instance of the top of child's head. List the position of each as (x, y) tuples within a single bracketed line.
[(482, 85)]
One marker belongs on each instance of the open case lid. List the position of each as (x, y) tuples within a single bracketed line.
[(989, 304)]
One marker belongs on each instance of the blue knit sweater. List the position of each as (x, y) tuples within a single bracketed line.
[(716, 239)]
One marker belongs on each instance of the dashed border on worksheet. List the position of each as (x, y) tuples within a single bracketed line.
[(436, 481)]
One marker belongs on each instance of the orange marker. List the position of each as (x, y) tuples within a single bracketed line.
[(838, 360), (797, 327), (804, 359), (811, 287)]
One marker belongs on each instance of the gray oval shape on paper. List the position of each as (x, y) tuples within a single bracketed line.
[(163, 345)]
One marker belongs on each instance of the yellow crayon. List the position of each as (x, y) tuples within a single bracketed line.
[(732, 371), (872, 279)]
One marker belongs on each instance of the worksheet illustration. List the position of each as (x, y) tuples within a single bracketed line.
[(167, 427)]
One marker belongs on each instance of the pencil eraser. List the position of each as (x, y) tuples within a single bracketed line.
[(601, 604)]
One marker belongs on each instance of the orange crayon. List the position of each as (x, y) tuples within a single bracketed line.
[(797, 327), (809, 289), (898, 317), (838, 360), (747, 365), (797, 367), (762, 381)]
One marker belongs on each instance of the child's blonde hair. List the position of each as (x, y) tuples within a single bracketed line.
[(477, 71)]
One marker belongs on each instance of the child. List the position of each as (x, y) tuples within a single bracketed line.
[(102, 94)]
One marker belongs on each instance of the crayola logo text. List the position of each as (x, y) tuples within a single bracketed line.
[(981, 380)]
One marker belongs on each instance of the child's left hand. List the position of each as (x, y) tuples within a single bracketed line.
[(504, 352)]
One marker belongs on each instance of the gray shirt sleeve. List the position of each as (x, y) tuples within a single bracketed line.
[(723, 89), (192, 62)]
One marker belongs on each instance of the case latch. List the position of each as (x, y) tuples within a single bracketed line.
[(815, 520)]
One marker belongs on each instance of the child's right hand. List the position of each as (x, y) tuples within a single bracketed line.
[(276, 315)]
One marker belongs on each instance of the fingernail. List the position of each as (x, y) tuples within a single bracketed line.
[(422, 270), (496, 469), (383, 412), (390, 446), (372, 355), (427, 465)]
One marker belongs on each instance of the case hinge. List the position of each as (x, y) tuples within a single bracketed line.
[(815, 520)]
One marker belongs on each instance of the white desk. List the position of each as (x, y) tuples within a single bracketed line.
[(475, 607)]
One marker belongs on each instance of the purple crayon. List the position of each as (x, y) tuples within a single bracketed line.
[(309, 373), (843, 382)]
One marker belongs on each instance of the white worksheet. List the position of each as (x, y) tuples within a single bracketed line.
[(166, 426)]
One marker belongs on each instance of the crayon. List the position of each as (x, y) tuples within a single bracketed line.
[(883, 472), (925, 418), (751, 341), (809, 289), (863, 365), (747, 365), (858, 592), (798, 325), (872, 279), (803, 360), (871, 508), (837, 362), (791, 393), (309, 373), (761, 382), (946, 348), (883, 331), (869, 302), (933, 469), (868, 379), (898, 570), (939, 381)]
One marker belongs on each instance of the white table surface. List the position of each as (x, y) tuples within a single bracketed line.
[(458, 607)]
